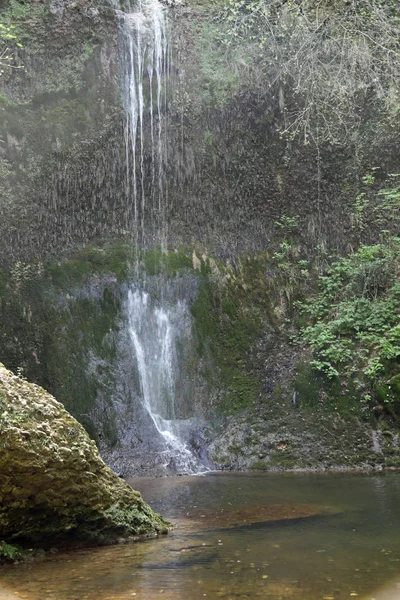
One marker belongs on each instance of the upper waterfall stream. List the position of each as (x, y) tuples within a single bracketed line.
[(145, 57)]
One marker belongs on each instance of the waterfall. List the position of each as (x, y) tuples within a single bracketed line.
[(155, 329), (155, 332), (146, 65)]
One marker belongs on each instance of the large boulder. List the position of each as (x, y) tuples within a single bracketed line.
[(54, 486)]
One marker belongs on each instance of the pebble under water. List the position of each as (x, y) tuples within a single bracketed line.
[(241, 535)]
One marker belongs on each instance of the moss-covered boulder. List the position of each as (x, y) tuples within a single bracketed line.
[(53, 484)]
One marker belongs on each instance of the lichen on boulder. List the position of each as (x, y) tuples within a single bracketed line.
[(54, 486)]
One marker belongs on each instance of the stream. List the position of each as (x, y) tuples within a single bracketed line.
[(241, 535)]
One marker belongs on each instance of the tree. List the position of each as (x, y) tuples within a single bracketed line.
[(8, 42), (327, 62)]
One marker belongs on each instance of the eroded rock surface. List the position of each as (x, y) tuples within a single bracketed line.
[(286, 437), (53, 484)]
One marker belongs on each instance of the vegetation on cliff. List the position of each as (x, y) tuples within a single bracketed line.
[(354, 321), (324, 60)]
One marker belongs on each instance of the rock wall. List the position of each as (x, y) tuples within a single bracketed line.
[(231, 173), (247, 204), (60, 108), (254, 401)]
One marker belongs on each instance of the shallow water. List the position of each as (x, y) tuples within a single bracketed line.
[(238, 535)]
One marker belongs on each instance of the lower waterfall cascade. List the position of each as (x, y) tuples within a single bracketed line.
[(156, 331)]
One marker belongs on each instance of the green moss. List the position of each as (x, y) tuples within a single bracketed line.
[(51, 337), (236, 450), (382, 392), (134, 520), (78, 333), (317, 392), (260, 466), (114, 259), (283, 463), (169, 263), (395, 387), (226, 331), (76, 496)]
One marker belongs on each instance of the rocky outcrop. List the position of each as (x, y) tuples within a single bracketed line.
[(53, 484), (284, 437)]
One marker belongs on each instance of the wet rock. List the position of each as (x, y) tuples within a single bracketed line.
[(277, 440), (53, 484)]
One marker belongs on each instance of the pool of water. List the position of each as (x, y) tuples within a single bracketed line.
[(241, 535)]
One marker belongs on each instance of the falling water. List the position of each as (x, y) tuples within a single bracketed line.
[(145, 61), (156, 332), (155, 329)]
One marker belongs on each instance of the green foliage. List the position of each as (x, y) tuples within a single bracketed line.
[(10, 552), (30, 34), (287, 224), (19, 12), (13, 31), (378, 202), (5, 169), (388, 207), (243, 18), (8, 39), (354, 330), (292, 269), (219, 78)]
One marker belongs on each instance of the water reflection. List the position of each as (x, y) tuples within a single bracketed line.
[(242, 536)]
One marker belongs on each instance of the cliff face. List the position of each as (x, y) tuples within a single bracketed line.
[(234, 163), (60, 107), (265, 185), (54, 485)]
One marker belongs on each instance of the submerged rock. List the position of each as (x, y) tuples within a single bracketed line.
[(245, 516), (53, 484)]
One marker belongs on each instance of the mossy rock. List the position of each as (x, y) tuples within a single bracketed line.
[(53, 484)]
